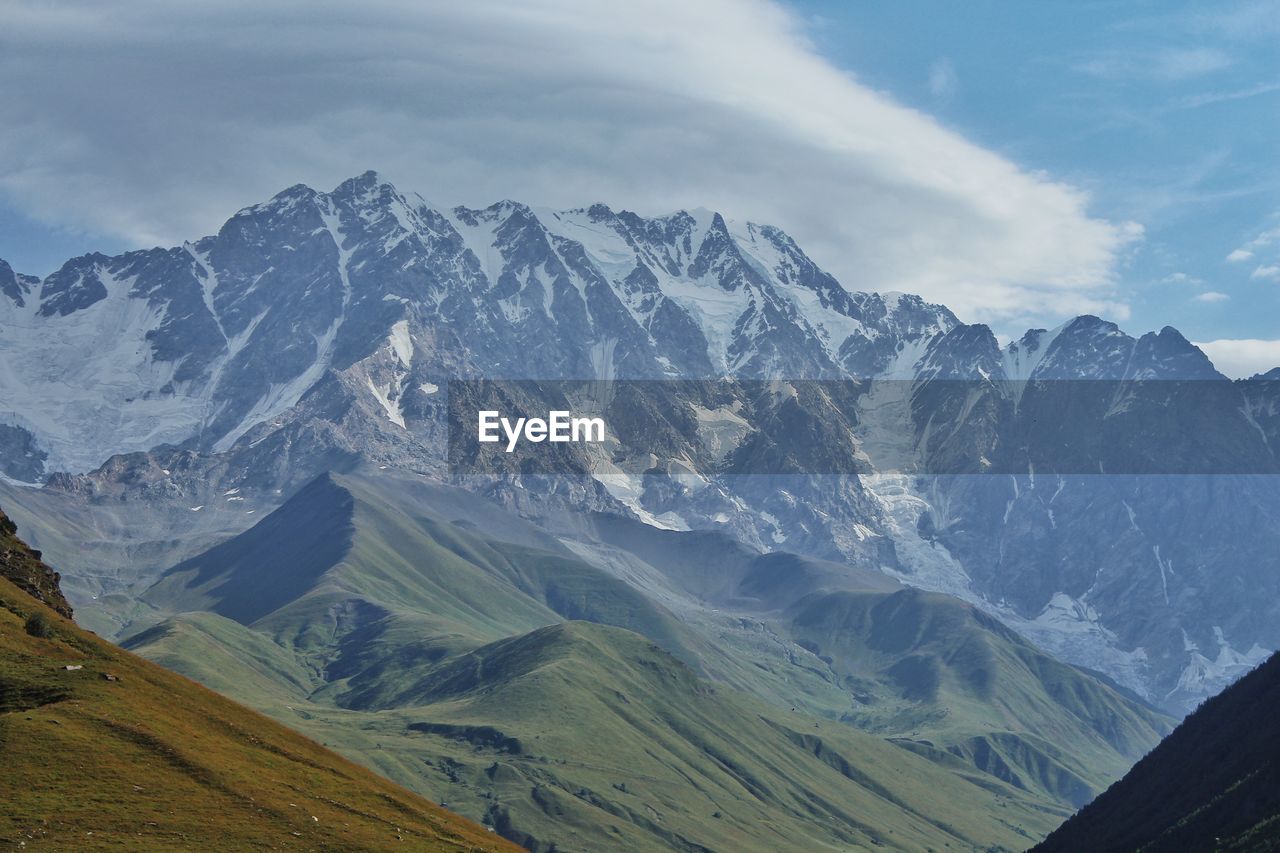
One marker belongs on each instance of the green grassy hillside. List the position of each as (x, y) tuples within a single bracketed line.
[(930, 671), (119, 753), (348, 570), (590, 737), (349, 612), (368, 578), (944, 677)]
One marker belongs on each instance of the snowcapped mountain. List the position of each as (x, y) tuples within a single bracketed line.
[(197, 344), (316, 331), (1153, 558)]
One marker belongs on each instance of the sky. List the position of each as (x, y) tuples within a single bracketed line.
[(1166, 113), (1020, 162)]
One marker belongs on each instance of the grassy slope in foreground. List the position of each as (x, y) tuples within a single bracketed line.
[(1214, 784), (152, 760)]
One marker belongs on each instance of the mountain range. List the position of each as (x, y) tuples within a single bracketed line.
[(315, 332), (848, 523)]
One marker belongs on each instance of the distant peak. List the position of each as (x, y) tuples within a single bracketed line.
[(294, 192), (368, 186), (1169, 333), (1090, 324), (14, 285), (285, 200), (507, 207), (1030, 339), (696, 217), (368, 178)]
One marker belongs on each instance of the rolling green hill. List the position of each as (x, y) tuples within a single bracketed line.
[(356, 610), (940, 676), (631, 750), (930, 671), (104, 750), (588, 737), (363, 580), (1214, 784), (367, 578)]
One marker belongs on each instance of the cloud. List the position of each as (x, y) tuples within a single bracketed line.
[(153, 120), (1266, 238), (1211, 296), (1242, 358), (1249, 250), (1165, 64), (1180, 278), (943, 80), (1205, 99)]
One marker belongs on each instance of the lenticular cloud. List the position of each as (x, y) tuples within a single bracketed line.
[(658, 105)]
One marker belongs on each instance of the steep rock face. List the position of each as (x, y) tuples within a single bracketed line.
[(15, 286), (23, 567)]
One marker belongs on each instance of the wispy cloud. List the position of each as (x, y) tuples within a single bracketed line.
[(1167, 64), (1211, 296), (155, 119), (1205, 99), (943, 80), (1259, 245)]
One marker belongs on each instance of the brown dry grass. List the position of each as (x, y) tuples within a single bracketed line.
[(155, 761)]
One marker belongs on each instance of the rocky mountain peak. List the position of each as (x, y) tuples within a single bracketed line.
[(14, 285), (1168, 355)]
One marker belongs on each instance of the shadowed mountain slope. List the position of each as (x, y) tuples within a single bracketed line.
[(1214, 784), (365, 580), (942, 676)]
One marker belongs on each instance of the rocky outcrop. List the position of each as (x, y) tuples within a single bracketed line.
[(23, 567)]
